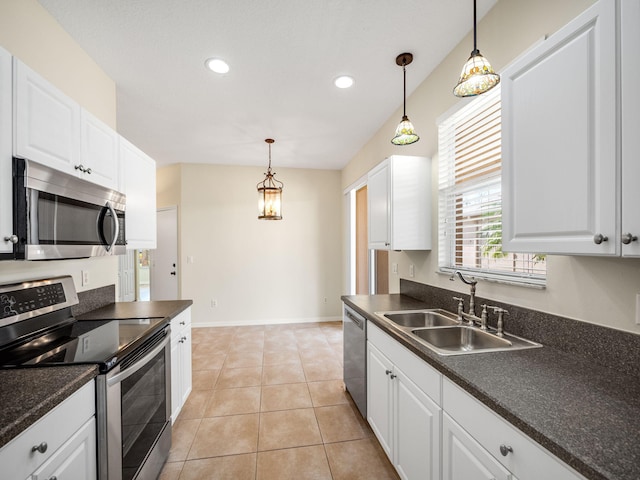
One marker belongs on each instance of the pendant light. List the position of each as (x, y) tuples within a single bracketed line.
[(270, 193), (405, 134), (477, 75)]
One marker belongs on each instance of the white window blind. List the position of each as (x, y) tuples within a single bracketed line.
[(470, 199)]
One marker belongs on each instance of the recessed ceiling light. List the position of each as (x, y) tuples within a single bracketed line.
[(344, 81), (217, 65)]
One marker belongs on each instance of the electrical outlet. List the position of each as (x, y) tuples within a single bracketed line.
[(85, 277), (325, 299), (394, 268), (85, 345), (214, 303), (412, 271), (190, 259)]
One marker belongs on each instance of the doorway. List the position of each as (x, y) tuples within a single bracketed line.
[(164, 267), (368, 269)]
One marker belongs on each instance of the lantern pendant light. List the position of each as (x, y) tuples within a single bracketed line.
[(270, 193), (477, 75), (405, 134)]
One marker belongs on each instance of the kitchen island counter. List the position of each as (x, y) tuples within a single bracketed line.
[(586, 414)]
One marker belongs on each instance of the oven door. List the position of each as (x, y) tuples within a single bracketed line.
[(134, 409)]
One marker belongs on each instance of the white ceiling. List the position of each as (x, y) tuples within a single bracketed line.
[(284, 56)]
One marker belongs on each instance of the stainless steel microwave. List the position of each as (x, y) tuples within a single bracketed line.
[(58, 216)]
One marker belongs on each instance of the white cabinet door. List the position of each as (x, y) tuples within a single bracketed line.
[(181, 381), (559, 141), (410, 203), (47, 122), (6, 150), (630, 64), (417, 431), (76, 459), (378, 207), (99, 152), (379, 397), (140, 188), (464, 459)]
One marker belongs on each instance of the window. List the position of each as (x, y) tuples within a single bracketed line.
[(470, 203)]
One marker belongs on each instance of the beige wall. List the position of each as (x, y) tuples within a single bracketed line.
[(29, 33), (596, 290), (258, 271)]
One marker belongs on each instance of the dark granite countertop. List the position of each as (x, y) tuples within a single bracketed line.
[(27, 394), (124, 310), (586, 414)]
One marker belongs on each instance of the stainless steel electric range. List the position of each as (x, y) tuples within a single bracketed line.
[(133, 390)]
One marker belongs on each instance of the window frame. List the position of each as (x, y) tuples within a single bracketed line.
[(483, 183)]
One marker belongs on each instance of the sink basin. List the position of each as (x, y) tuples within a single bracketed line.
[(462, 339), (423, 318)]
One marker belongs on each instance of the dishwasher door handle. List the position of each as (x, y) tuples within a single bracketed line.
[(355, 319)]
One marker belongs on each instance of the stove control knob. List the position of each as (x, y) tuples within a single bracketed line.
[(40, 448)]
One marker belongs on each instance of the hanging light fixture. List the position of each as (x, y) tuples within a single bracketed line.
[(405, 134), (270, 193), (477, 75)]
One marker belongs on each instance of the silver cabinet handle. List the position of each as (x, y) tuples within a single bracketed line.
[(598, 238), (627, 238), (54, 478), (393, 376), (11, 238), (183, 323), (387, 372), (79, 167), (88, 170), (505, 450), (40, 448)]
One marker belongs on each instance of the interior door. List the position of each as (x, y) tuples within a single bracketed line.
[(164, 259)]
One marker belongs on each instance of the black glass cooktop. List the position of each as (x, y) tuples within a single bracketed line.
[(102, 342)]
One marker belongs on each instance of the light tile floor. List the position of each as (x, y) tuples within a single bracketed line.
[(268, 402)]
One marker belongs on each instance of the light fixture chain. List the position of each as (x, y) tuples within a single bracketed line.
[(475, 44)]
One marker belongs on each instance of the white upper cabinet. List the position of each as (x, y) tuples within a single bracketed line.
[(630, 105), (6, 203), (47, 122), (559, 141), (139, 181), (399, 204), (99, 152)]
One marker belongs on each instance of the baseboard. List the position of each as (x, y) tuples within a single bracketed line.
[(270, 321)]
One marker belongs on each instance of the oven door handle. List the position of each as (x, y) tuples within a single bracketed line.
[(139, 364)]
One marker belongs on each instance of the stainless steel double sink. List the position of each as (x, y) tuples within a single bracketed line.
[(442, 332)]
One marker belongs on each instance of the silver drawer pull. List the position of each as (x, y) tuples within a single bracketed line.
[(11, 238), (627, 238), (505, 450), (598, 238), (387, 372), (40, 448)]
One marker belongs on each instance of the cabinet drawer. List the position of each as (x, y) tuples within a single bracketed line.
[(528, 461), (181, 321), (427, 378), (55, 428)]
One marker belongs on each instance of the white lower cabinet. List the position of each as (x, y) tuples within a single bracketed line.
[(180, 361), (61, 445), (516, 452), (404, 418), (431, 429), (463, 458)]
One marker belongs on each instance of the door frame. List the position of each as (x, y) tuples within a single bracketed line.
[(178, 268)]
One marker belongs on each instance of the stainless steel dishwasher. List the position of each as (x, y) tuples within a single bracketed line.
[(354, 328)]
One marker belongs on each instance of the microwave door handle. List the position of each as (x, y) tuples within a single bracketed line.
[(114, 217)]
